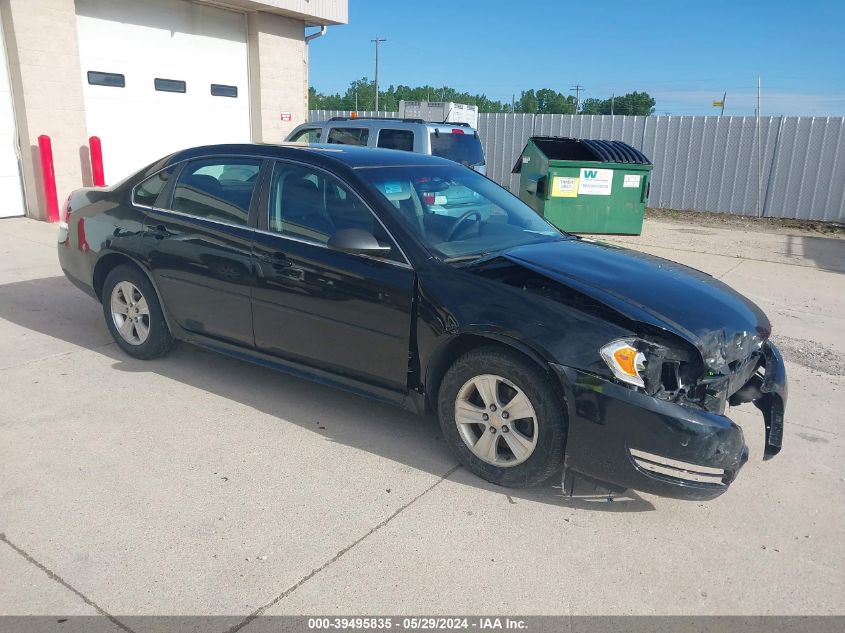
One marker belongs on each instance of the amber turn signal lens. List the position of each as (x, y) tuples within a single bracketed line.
[(625, 361), (625, 358)]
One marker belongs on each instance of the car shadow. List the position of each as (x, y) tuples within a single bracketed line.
[(53, 307)]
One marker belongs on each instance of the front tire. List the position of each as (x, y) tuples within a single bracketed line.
[(502, 418), (133, 314)]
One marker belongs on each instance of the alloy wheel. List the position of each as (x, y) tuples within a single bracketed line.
[(496, 420), (130, 313)]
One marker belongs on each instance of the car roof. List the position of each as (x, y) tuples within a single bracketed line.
[(351, 156), (390, 122)]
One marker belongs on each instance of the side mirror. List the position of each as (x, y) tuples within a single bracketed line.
[(357, 241)]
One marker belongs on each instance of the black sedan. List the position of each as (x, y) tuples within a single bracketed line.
[(535, 348)]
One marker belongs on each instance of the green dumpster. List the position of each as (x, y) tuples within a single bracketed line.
[(585, 185)]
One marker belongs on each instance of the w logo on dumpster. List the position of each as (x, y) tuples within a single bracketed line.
[(589, 173)]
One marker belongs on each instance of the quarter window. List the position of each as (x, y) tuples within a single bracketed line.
[(396, 139), (349, 135), (217, 189), (170, 85), (148, 191), (310, 205)]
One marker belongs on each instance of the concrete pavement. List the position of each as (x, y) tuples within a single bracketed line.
[(197, 484)]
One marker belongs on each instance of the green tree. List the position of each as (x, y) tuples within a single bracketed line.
[(552, 102), (527, 102), (543, 101)]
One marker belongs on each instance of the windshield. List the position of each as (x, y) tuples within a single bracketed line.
[(461, 148), (457, 213)]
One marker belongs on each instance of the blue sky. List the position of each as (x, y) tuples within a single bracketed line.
[(685, 54)]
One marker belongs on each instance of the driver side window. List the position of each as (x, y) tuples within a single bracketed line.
[(310, 205)]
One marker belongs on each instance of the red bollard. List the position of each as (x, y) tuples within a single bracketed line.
[(48, 173), (97, 174)]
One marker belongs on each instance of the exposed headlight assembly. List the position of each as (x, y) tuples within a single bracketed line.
[(625, 361)]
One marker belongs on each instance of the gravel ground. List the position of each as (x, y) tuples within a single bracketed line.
[(811, 355), (769, 225)]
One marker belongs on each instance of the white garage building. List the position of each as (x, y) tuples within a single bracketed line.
[(147, 77)]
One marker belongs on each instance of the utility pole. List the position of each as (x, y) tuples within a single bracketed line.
[(612, 102), (759, 156), (377, 42), (577, 88), (513, 103)]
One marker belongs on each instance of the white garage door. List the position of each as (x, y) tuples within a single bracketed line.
[(11, 197), (159, 76)]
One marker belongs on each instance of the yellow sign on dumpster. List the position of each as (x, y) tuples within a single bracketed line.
[(564, 187)]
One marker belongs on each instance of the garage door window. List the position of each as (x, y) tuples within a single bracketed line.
[(218, 190), (112, 80), (396, 139), (221, 90), (349, 135), (170, 85)]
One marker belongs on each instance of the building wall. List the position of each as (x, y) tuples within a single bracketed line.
[(278, 63), (46, 80), (44, 70)]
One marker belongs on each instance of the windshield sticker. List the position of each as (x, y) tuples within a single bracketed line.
[(564, 187), (595, 182), (392, 187)]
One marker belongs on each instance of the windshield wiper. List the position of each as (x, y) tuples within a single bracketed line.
[(468, 258)]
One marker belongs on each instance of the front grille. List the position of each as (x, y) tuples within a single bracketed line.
[(683, 471)]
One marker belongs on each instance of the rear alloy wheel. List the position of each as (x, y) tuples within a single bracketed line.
[(133, 314), (502, 417), (130, 313)]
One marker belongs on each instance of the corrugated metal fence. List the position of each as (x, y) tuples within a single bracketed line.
[(701, 163)]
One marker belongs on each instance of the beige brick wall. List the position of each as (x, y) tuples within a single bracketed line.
[(43, 54), (278, 75)]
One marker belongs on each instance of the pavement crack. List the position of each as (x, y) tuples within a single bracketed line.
[(56, 578), (731, 269), (262, 609)]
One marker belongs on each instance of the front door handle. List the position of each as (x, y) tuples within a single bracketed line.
[(158, 231), (280, 261)]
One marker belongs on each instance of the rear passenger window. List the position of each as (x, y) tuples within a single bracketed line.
[(217, 189), (349, 135), (146, 193), (396, 139)]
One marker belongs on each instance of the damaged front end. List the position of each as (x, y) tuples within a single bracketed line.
[(664, 429), (648, 413), (748, 368)]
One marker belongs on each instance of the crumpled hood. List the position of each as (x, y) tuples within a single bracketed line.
[(719, 321)]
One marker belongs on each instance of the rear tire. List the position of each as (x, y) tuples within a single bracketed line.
[(502, 418), (133, 314)]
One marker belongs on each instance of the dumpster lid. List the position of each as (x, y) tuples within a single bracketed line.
[(586, 149)]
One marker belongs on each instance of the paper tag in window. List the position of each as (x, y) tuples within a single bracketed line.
[(392, 187), (631, 180), (564, 187)]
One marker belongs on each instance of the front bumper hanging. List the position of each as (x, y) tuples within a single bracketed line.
[(631, 440)]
